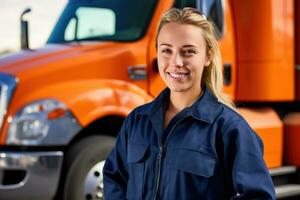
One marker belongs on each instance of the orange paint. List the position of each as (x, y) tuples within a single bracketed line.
[(292, 139), (297, 47), (266, 123), (265, 50)]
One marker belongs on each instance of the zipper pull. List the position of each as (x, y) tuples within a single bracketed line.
[(160, 152)]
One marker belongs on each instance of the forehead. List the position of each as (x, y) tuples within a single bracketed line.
[(181, 34)]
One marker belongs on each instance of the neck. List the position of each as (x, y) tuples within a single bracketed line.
[(181, 100)]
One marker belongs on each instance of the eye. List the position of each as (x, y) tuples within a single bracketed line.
[(166, 51), (189, 52)]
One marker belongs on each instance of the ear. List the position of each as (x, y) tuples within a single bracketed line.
[(208, 58)]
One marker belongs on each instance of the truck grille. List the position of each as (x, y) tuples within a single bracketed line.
[(8, 84)]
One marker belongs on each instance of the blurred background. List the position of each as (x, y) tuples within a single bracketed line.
[(44, 14)]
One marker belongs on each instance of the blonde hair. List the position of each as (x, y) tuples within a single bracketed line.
[(212, 76)]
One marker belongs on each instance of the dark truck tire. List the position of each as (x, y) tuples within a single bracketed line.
[(83, 178)]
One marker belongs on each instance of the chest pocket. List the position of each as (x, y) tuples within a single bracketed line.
[(192, 161), (136, 167), (190, 172)]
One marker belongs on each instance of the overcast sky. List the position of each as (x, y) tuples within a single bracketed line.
[(44, 14)]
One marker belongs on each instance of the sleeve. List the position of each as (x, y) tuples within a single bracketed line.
[(249, 173), (115, 175)]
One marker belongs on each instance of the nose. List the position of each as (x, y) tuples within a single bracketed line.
[(176, 60)]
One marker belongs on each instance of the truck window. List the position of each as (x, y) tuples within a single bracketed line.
[(115, 20), (212, 9), (185, 3), (87, 27)]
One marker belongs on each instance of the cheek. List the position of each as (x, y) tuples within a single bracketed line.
[(161, 72), (161, 64), (199, 63), (198, 67), (160, 59), (160, 67), (202, 59)]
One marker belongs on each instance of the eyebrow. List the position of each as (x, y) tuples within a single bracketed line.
[(189, 45), (165, 45), (184, 46)]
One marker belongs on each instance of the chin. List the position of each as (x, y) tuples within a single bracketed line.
[(178, 89)]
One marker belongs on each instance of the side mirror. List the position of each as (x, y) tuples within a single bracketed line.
[(24, 30)]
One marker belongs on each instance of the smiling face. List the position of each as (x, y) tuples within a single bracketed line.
[(181, 55)]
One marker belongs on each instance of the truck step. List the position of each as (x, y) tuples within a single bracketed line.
[(289, 190), (283, 170), (284, 175)]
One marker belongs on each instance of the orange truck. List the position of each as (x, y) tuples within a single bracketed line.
[(62, 105)]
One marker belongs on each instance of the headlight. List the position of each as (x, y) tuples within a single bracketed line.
[(44, 122)]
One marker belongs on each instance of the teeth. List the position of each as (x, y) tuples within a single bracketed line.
[(178, 75)]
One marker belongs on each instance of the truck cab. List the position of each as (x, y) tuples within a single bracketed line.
[(62, 105)]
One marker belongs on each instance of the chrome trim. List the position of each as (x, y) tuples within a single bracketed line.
[(8, 84), (3, 101), (42, 174), (93, 184), (223, 4), (138, 72)]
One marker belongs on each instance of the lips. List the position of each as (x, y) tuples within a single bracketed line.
[(178, 76)]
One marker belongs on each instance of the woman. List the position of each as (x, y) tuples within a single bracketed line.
[(188, 143)]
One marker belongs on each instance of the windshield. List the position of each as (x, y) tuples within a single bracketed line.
[(117, 20)]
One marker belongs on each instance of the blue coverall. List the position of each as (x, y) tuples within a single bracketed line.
[(207, 151)]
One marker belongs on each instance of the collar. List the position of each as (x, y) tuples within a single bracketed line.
[(205, 109)]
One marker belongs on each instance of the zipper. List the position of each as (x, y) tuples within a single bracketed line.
[(160, 157)]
